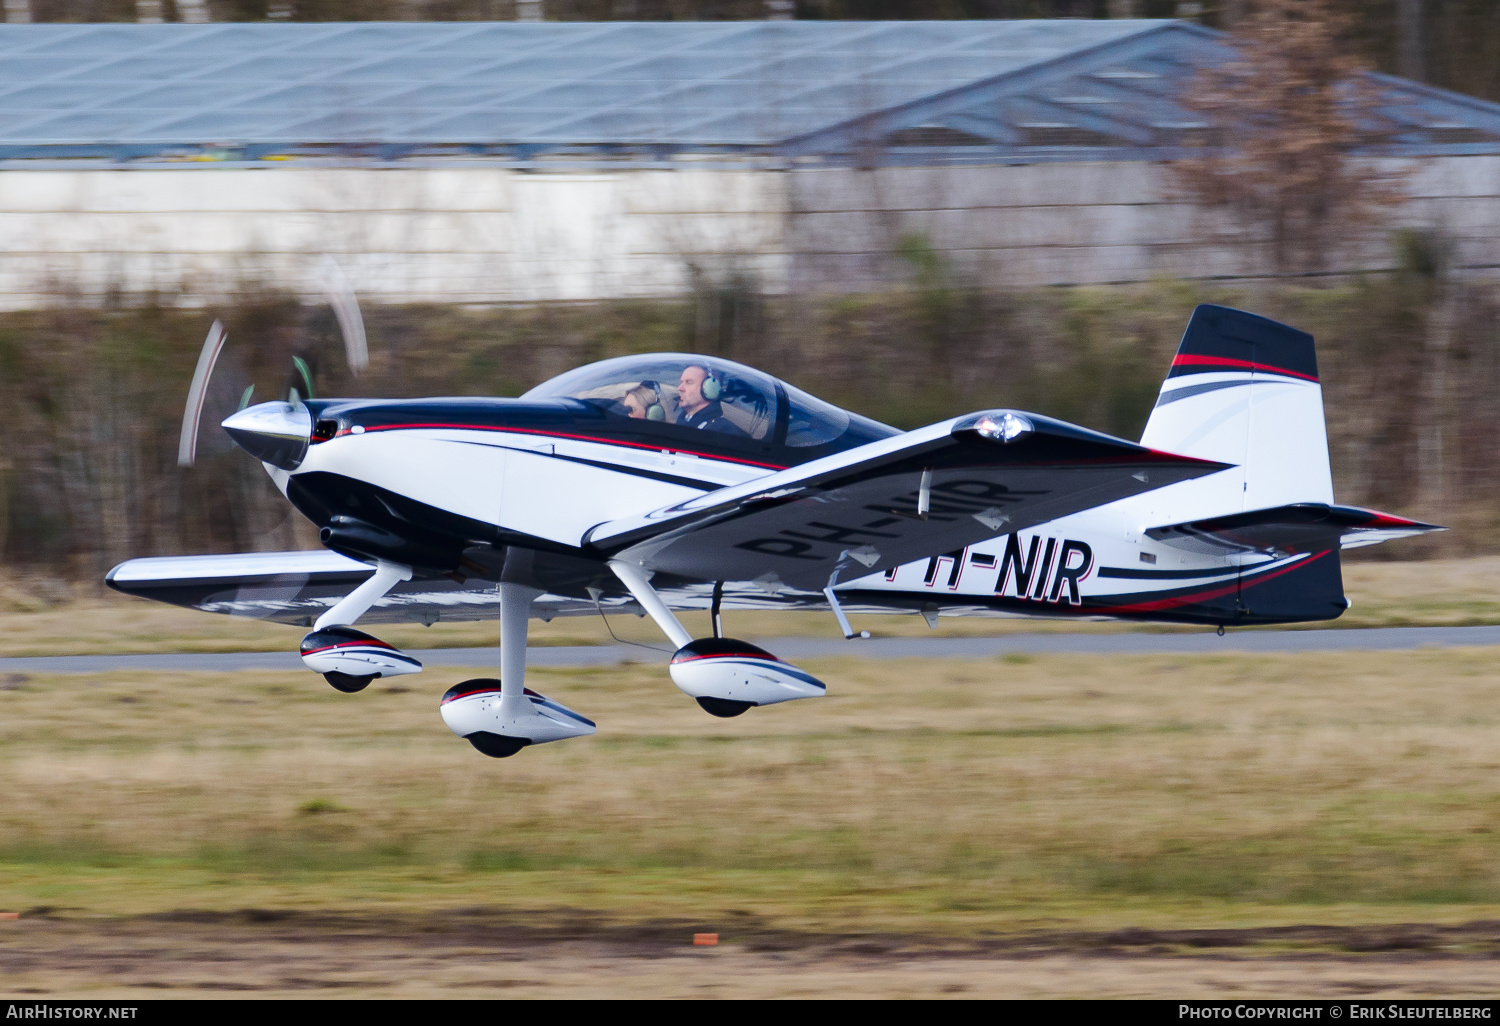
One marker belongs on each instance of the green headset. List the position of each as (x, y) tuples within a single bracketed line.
[(711, 389), (655, 411)]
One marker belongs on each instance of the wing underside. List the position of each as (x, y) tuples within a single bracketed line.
[(296, 587)]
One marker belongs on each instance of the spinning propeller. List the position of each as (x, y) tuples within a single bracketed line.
[(300, 380)]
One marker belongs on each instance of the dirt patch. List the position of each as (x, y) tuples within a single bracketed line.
[(465, 952), (531, 930)]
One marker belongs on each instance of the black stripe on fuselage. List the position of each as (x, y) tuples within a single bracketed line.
[(654, 475), (1130, 573), (1219, 602)]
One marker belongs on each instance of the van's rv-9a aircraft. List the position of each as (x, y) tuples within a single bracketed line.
[(648, 484)]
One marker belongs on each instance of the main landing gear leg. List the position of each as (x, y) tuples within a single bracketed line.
[(725, 676), (358, 602), (501, 717), (349, 659)]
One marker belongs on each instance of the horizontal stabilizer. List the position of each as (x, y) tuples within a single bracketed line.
[(1284, 530), (895, 500)]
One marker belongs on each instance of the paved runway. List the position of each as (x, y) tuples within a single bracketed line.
[(1204, 643)]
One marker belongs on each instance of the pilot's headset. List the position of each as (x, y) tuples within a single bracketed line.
[(649, 393), (711, 389)]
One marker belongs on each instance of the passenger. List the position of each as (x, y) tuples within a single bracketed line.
[(639, 401), (695, 409)]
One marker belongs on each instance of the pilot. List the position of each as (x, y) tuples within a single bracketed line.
[(698, 402)]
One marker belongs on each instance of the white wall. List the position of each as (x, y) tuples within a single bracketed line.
[(466, 235), (493, 235), (1044, 224)]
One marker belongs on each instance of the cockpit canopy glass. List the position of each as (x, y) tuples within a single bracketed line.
[(696, 392), (811, 421), (669, 394)]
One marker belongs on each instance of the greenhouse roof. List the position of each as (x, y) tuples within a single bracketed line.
[(579, 94)]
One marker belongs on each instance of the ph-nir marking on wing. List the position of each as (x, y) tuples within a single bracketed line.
[(951, 499)]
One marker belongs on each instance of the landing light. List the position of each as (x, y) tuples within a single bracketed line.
[(1005, 427)]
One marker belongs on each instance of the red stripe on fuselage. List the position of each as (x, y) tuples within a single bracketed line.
[(1224, 362)]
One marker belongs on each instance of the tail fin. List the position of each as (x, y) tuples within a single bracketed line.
[(1244, 390)]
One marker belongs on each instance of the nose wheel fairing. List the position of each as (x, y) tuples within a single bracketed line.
[(500, 717)]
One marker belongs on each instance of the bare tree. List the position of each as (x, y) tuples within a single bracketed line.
[(1409, 44), (1287, 115)]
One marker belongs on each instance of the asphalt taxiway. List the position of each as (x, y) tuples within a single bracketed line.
[(1373, 639)]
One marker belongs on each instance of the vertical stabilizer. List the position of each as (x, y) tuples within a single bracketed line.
[(1244, 390)]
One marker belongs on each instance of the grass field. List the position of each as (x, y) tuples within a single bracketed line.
[(956, 807), (43, 617)]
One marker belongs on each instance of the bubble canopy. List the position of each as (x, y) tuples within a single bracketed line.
[(717, 402)]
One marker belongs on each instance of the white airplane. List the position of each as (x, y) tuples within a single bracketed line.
[(648, 484)]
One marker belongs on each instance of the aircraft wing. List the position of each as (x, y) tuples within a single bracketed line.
[(1301, 527), (298, 587), (892, 501)]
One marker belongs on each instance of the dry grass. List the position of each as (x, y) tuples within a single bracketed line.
[(42, 617), (892, 839), (953, 795)]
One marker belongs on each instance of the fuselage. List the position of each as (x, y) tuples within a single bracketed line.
[(463, 486)]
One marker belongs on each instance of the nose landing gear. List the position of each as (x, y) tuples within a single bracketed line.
[(500, 717)]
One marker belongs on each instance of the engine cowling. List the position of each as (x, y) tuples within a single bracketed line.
[(727, 676)]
